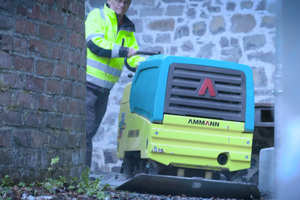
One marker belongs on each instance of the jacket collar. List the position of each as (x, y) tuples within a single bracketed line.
[(127, 24)]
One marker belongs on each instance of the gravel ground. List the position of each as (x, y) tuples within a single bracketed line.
[(115, 195), (109, 193)]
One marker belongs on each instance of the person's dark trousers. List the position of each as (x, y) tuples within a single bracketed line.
[(96, 103)]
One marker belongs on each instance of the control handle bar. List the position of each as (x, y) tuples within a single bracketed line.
[(133, 69)]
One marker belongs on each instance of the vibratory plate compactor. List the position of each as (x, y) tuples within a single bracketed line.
[(186, 127)]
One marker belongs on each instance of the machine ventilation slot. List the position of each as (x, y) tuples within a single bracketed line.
[(224, 92)]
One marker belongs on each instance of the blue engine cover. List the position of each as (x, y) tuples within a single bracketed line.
[(148, 88)]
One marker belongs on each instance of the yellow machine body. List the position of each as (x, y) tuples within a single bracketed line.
[(184, 142)]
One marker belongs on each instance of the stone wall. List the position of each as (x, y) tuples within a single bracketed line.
[(42, 87), (242, 31)]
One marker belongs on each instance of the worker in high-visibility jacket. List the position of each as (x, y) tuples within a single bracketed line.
[(110, 37)]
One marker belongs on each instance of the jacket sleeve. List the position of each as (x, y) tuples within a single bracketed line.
[(95, 37), (133, 61)]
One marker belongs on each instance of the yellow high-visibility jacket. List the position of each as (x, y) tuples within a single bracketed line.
[(105, 55)]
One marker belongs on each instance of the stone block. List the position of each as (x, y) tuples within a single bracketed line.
[(67, 88), (23, 64), (5, 98), (34, 84), (146, 12), (38, 46), (73, 106), (7, 157), (38, 12), (214, 9), (61, 70), (268, 22), (174, 10), (63, 4), (191, 12), (26, 27), (11, 117), (163, 38), (74, 39), (49, 2), (110, 156), (39, 140), (199, 28), (35, 120), (7, 5), (55, 16), (241, 23), (25, 100), (254, 42), (246, 4), (116, 169), (262, 5), (230, 6), (96, 3), (148, 39), (22, 138), (21, 10), (259, 77), (58, 141), (234, 42), (182, 31), (79, 92), (162, 25), (173, 50), (217, 25), (206, 51), (52, 86), (73, 72), (79, 123), (139, 25), (62, 105), (224, 42), (187, 46), (57, 52), (11, 80), (67, 123), (53, 121), (5, 61), (144, 3), (6, 42), (174, 1), (6, 22), (44, 68), (21, 45), (5, 138), (231, 51), (267, 57)]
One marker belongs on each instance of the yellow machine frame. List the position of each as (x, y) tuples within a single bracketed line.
[(185, 142)]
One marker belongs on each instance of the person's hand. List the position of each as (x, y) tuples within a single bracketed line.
[(131, 52)]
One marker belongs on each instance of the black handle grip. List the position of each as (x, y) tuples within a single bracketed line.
[(133, 69), (148, 53)]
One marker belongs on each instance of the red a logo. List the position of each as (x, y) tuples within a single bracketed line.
[(207, 84)]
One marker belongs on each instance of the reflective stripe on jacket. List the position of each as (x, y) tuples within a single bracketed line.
[(105, 55)]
